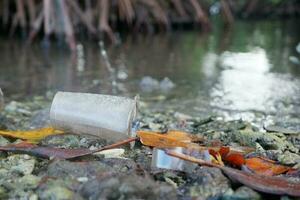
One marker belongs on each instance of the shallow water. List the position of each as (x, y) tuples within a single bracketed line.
[(251, 71)]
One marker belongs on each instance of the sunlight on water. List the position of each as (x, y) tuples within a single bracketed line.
[(246, 84)]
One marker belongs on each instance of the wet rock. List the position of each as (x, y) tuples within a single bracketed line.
[(65, 169), (126, 187), (274, 128), (20, 164), (157, 127), (267, 140), (18, 107), (3, 193), (40, 119), (120, 164), (289, 158), (23, 187), (166, 84), (148, 84), (174, 178), (294, 60), (242, 193), (298, 48), (28, 181), (57, 189), (206, 182), (62, 141), (56, 192), (3, 141)]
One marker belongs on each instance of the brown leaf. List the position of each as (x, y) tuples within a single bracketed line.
[(230, 157), (167, 140), (173, 139), (267, 184), (51, 152), (235, 159), (265, 166)]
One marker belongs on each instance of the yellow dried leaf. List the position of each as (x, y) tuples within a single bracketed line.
[(31, 135)]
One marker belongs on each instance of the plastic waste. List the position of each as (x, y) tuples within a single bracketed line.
[(162, 160), (104, 116), (1, 99)]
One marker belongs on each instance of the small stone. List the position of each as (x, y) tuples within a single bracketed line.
[(298, 48), (82, 179), (62, 141), (155, 126), (294, 60), (3, 141), (166, 84), (28, 181), (111, 153), (57, 192), (274, 128), (33, 197), (92, 148), (20, 164), (149, 84), (289, 158), (83, 140), (242, 193), (209, 183)]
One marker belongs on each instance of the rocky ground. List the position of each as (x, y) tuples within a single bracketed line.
[(128, 174)]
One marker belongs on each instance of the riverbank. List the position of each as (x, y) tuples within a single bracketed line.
[(130, 174)]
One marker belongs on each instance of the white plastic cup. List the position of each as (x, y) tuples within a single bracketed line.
[(160, 159), (104, 116), (1, 99)]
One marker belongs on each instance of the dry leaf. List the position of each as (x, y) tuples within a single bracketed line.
[(265, 166), (167, 140), (267, 184), (179, 139), (51, 152), (232, 158), (32, 135)]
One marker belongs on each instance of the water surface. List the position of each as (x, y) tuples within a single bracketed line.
[(249, 71)]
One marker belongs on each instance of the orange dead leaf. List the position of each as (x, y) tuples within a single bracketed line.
[(235, 159), (224, 151), (230, 157), (181, 139), (167, 140), (32, 135), (265, 166)]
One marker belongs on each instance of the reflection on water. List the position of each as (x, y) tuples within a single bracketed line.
[(245, 72), (247, 84)]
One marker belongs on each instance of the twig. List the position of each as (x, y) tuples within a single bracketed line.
[(115, 145), (191, 159)]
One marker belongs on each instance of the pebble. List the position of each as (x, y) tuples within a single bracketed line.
[(111, 153), (82, 179)]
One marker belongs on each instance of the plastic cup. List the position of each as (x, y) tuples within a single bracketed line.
[(104, 116), (162, 160)]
